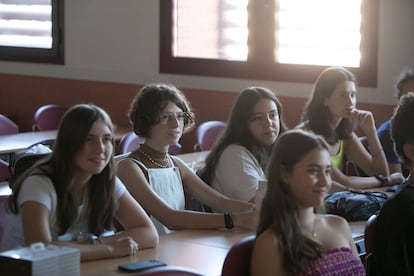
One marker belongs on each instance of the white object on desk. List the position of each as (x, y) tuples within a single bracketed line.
[(42, 260)]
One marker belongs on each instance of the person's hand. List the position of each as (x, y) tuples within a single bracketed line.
[(123, 247), (395, 178), (246, 219), (363, 119)]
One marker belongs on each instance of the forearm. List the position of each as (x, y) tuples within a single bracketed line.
[(89, 252), (231, 205), (361, 183), (146, 237), (379, 161), (199, 220)]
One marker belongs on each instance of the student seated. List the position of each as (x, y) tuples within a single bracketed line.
[(291, 238), (404, 85), (237, 161), (331, 112), (161, 114), (72, 197), (393, 234)]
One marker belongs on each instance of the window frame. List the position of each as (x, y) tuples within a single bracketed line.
[(260, 64), (55, 55)]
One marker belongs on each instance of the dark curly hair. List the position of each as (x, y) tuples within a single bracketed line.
[(147, 105)]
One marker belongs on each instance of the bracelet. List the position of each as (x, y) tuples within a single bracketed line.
[(228, 220), (383, 179)]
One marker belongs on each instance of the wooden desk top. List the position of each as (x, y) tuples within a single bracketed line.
[(5, 189), (201, 250), (194, 159), (14, 142)]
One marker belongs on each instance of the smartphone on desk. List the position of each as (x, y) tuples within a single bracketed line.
[(141, 265)]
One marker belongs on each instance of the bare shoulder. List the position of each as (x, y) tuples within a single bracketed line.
[(335, 222), (178, 160), (267, 239)]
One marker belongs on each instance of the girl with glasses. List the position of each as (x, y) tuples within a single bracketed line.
[(161, 183)]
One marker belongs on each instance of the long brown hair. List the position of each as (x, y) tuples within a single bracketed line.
[(279, 210), (101, 205), (237, 130), (316, 115)]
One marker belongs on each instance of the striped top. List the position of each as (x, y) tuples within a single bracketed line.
[(338, 261)]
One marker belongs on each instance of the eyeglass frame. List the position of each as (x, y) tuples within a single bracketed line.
[(167, 117)]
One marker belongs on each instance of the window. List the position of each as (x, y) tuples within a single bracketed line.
[(284, 40), (31, 30)]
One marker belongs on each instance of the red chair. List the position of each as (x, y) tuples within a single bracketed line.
[(169, 271), (4, 171), (47, 117), (131, 141), (369, 233), (207, 134), (3, 203), (370, 245), (237, 261), (7, 126)]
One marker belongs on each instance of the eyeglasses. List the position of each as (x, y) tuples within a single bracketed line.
[(181, 117), (264, 117)]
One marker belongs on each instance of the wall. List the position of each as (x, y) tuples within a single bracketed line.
[(22, 103), (111, 49)]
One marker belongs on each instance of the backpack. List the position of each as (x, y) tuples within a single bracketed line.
[(24, 159)]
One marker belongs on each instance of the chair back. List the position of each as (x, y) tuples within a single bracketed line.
[(207, 134), (369, 240), (369, 234), (169, 271), (237, 261), (3, 203), (130, 141), (7, 126), (47, 117), (4, 171)]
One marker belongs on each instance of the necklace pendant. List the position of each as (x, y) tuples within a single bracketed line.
[(153, 161)]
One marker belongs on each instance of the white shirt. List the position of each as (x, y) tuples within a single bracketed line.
[(39, 188), (237, 173)]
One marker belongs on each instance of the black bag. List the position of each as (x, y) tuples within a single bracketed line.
[(26, 158), (355, 205)]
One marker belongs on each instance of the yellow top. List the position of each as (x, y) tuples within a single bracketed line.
[(338, 159)]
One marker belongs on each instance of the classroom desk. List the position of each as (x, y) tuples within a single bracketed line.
[(194, 159), (200, 250), (14, 142), (5, 189)]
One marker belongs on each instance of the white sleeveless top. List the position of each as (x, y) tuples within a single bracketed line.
[(167, 184)]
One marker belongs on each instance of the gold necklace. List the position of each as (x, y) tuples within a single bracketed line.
[(313, 233), (153, 161)]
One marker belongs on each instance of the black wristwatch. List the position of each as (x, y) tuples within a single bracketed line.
[(228, 220), (383, 179)]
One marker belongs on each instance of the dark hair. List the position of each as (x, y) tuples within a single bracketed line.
[(316, 115), (279, 211), (72, 134), (401, 125), (237, 131), (402, 79), (147, 105)]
